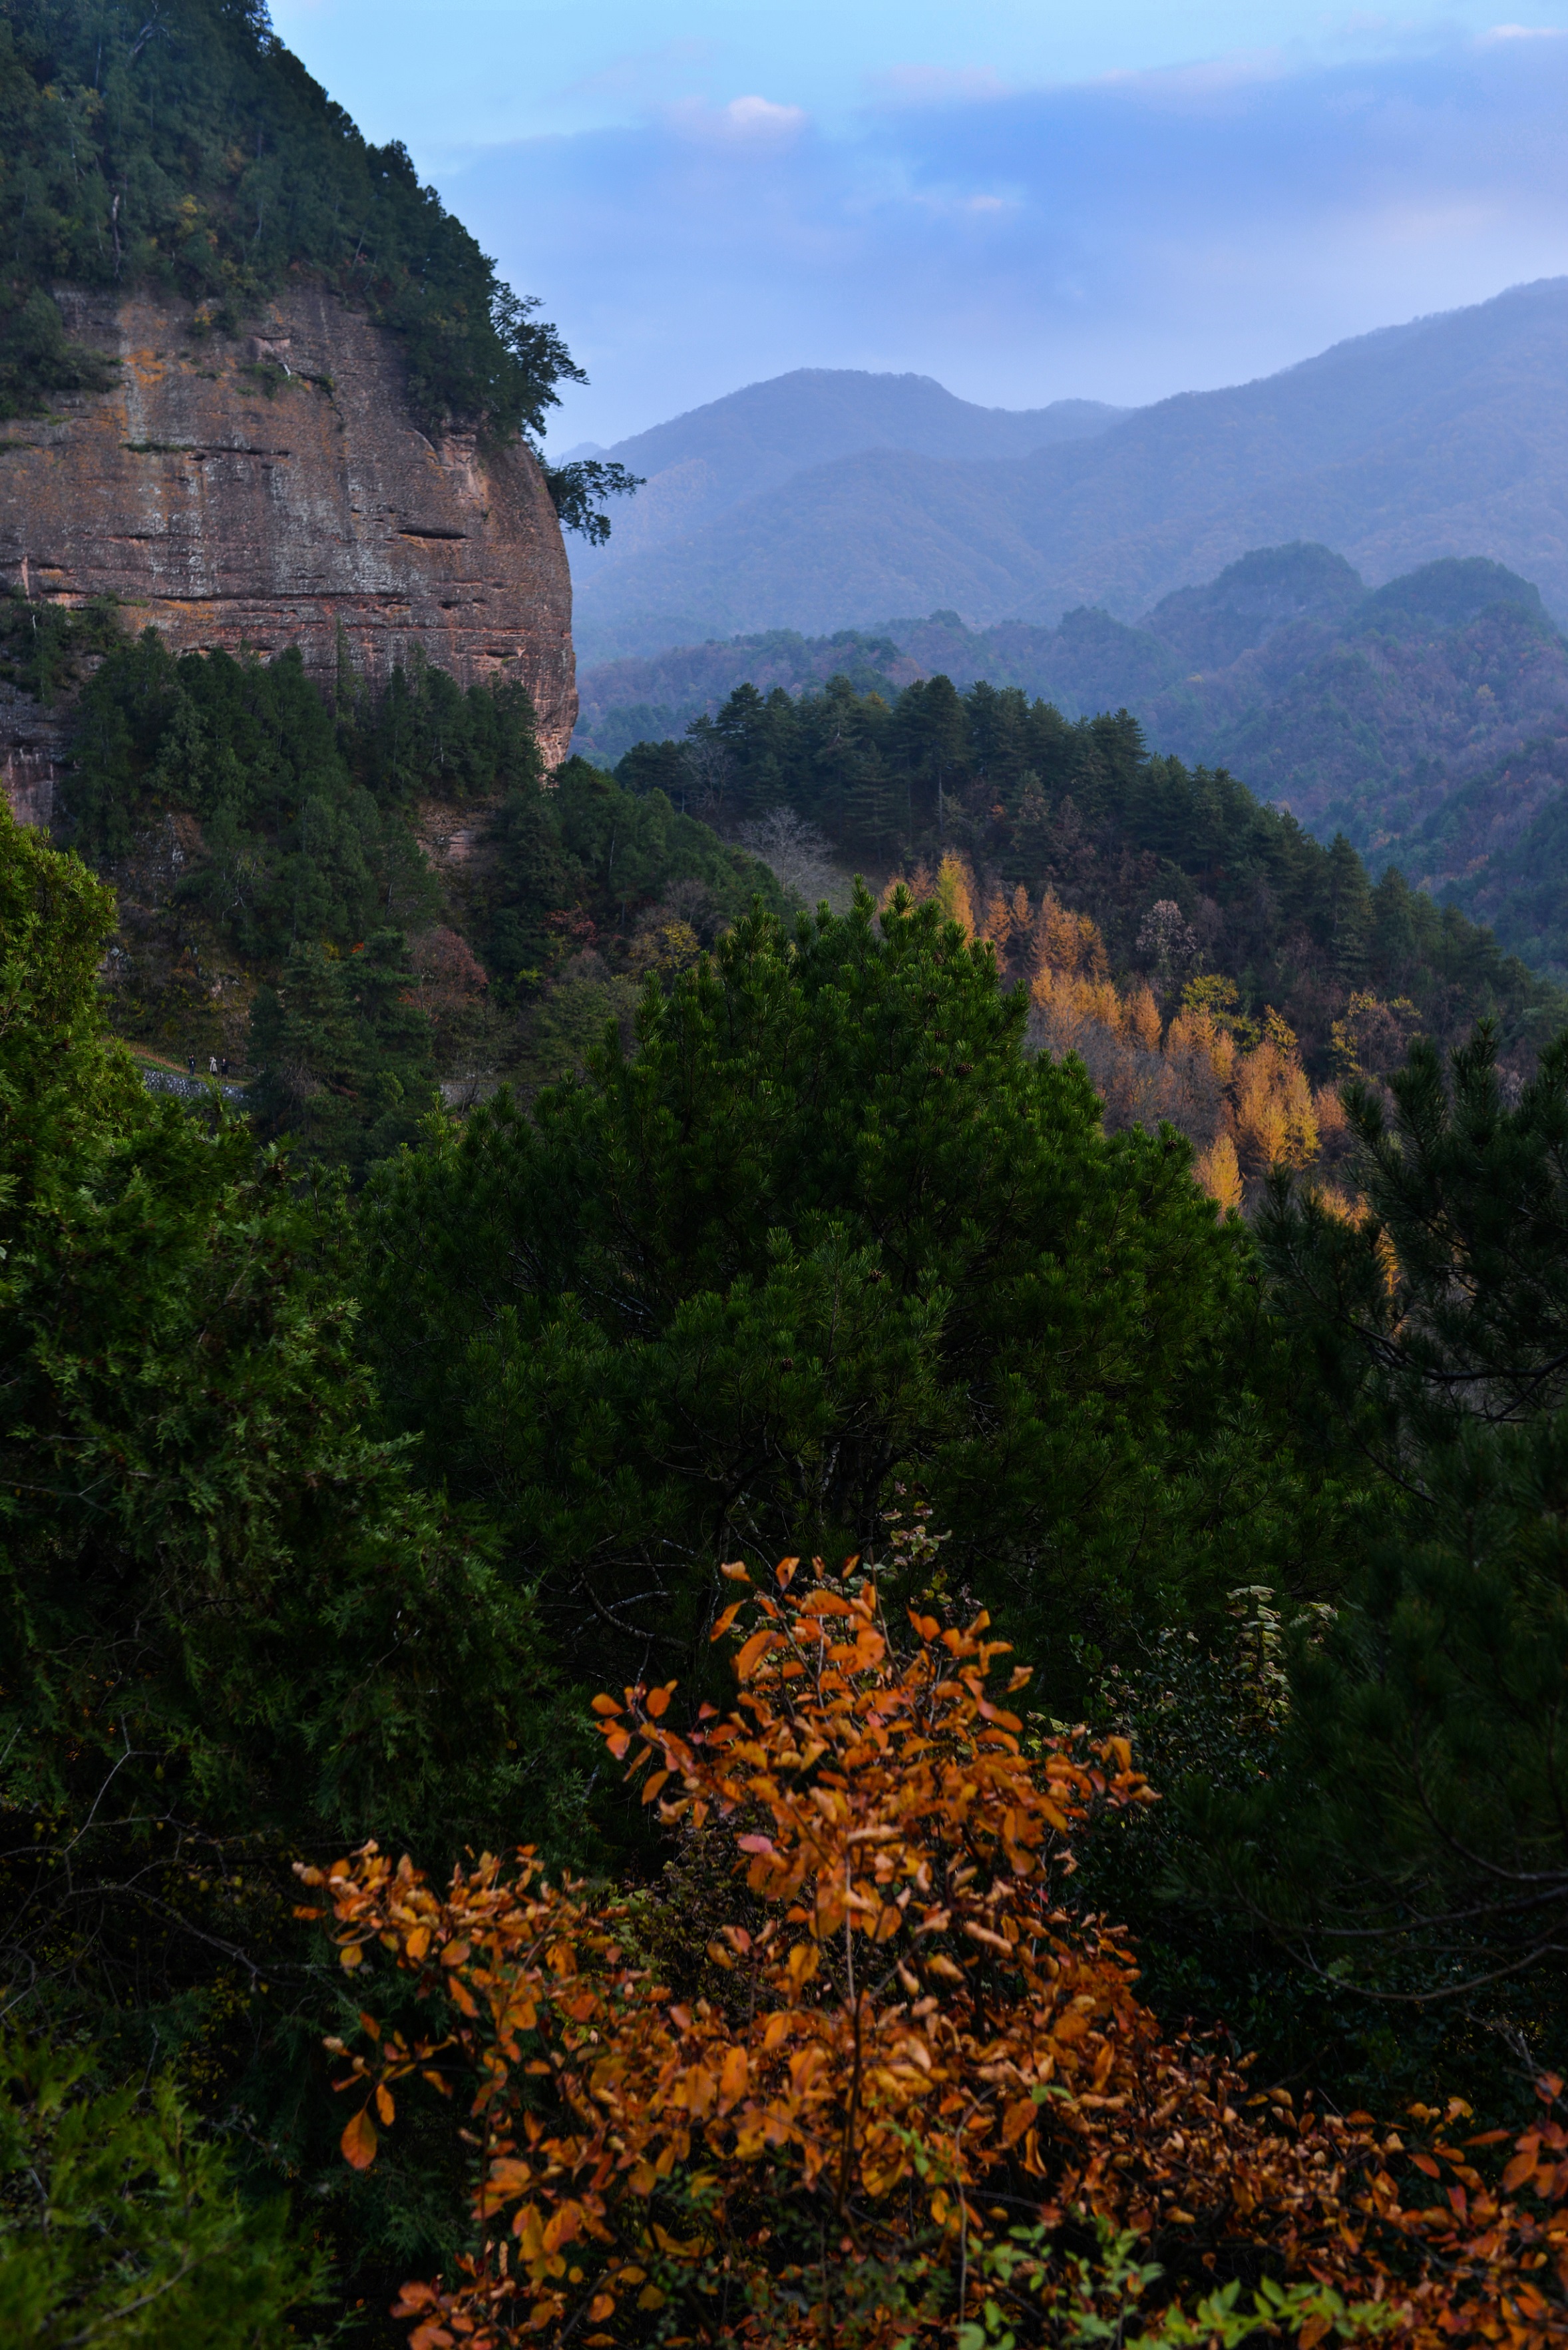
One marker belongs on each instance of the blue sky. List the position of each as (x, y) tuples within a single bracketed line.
[(1024, 199)]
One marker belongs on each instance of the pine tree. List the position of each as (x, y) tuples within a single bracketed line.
[(830, 1229), (1410, 1838), (345, 1053), (1352, 913), (218, 1594)]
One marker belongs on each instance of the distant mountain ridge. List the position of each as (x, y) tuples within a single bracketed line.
[(701, 467), (1444, 437), (1426, 719)]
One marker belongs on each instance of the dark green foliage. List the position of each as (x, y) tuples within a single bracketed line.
[(120, 2222), (830, 1230), (189, 148), (1081, 806), (36, 357), (43, 647), (423, 737), (576, 861), (1411, 1838), (305, 835), (282, 833), (220, 1600), (346, 1056), (1447, 1303), (576, 491)]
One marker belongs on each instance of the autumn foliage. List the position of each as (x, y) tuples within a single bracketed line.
[(913, 2087)]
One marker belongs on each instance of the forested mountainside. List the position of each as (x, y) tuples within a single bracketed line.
[(1093, 865), (194, 151), (1424, 718), (822, 1392), (1442, 437), (356, 901), (804, 1387)]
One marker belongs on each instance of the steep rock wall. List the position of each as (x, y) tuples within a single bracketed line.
[(230, 503)]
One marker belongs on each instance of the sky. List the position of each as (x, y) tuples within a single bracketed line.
[(1028, 200)]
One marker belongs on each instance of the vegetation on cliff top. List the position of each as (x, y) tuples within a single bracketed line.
[(189, 150)]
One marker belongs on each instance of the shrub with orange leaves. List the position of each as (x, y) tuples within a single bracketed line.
[(922, 2091)]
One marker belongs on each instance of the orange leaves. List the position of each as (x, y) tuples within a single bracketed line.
[(753, 1651), (907, 2020), (805, 1963), (734, 2078)]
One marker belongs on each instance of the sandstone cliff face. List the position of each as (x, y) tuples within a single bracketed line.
[(230, 503)]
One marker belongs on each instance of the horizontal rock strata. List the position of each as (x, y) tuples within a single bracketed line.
[(273, 490)]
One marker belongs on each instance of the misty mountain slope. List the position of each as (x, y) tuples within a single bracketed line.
[(838, 545), (1504, 838), (1426, 719), (1444, 436), (698, 465), (637, 698), (1208, 626), (1369, 723)]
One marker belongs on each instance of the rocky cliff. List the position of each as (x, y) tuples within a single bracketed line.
[(272, 490)]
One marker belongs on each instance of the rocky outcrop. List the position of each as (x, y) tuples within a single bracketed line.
[(274, 490)]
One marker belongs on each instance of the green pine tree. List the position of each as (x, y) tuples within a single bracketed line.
[(829, 1232), (345, 1053), (1410, 1838), (232, 1631)]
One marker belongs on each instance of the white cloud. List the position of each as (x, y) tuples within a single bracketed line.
[(1118, 239), (748, 119)]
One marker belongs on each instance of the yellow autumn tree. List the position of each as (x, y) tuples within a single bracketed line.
[(956, 892)]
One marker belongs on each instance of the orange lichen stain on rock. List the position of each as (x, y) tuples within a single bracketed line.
[(306, 507)]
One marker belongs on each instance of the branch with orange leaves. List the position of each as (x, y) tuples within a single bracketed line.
[(910, 2042)]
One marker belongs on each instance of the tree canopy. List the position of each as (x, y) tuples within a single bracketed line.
[(1410, 1838), (1083, 807), (829, 1233)]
